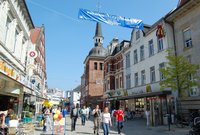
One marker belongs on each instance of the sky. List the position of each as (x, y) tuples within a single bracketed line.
[(69, 40)]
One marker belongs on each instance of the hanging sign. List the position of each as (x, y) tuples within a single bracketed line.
[(85, 14), (33, 54)]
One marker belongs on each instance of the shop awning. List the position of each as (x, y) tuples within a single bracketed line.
[(148, 94)]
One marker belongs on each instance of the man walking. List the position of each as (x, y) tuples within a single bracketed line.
[(74, 115), (97, 114), (83, 113), (120, 119)]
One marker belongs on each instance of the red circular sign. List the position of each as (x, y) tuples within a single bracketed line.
[(32, 54)]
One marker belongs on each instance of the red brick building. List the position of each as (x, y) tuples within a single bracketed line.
[(114, 72), (39, 76), (94, 71)]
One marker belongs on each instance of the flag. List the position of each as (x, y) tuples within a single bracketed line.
[(85, 14)]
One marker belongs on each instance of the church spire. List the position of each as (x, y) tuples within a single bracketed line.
[(98, 38)]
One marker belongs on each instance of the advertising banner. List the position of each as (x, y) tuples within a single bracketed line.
[(85, 14)]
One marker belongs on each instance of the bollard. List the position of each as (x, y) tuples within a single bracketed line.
[(65, 126), (53, 127)]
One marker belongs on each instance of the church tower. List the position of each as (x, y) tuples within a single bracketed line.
[(94, 71)]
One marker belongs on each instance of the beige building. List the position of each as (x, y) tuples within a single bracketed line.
[(185, 20)]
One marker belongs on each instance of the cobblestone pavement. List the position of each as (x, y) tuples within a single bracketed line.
[(133, 127)]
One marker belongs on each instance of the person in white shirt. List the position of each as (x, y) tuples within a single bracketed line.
[(14, 122), (83, 113), (106, 121)]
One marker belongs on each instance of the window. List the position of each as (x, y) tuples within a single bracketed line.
[(128, 81), (95, 65), (136, 79), (160, 44), (187, 38), (137, 35), (108, 67), (128, 60), (101, 66), (7, 26), (135, 57), (117, 83), (143, 77), (120, 79), (141, 52), (152, 74), (15, 42), (151, 48), (161, 65)]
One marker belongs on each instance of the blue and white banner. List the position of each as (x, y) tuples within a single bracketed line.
[(110, 19)]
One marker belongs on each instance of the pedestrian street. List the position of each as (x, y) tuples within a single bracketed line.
[(132, 127)]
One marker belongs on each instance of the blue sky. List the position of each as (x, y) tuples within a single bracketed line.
[(68, 40)]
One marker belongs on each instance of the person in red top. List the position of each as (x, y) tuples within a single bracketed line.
[(120, 119)]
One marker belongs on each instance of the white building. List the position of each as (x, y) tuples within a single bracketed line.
[(15, 25), (75, 96), (142, 61)]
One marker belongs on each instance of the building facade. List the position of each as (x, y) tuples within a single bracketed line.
[(185, 20), (37, 75), (142, 60), (94, 70), (15, 25), (15, 43), (114, 73), (75, 97)]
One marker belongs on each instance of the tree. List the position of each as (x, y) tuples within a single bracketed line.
[(179, 75)]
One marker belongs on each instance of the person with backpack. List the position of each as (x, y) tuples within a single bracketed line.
[(97, 118), (83, 113), (74, 114)]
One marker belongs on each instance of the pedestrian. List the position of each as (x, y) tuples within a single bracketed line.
[(88, 113), (120, 119), (106, 121), (74, 114), (47, 121), (97, 116), (83, 113), (147, 113), (113, 116)]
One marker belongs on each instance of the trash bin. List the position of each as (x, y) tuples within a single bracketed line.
[(165, 120), (172, 118)]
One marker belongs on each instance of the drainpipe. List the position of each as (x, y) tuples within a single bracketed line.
[(175, 53)]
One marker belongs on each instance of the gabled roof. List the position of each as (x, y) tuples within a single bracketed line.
[(35, 35)]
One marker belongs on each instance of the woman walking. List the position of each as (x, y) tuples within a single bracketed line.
[(106, 121)]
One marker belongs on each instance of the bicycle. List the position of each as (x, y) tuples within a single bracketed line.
[(180, 121)]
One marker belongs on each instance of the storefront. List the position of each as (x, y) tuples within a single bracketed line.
[(158, 103), (112, 99), (11, 94)]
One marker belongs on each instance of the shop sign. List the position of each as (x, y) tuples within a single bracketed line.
[(116, 93), (6, 69)]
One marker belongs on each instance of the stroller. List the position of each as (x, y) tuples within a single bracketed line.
[(195, 127)]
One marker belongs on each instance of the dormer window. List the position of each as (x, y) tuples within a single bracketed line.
[(137, 35)]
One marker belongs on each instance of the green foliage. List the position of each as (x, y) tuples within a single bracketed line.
[(179, 74)]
